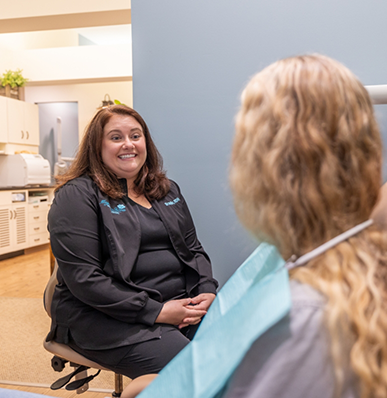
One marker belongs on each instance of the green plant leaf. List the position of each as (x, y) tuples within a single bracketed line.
[(117, 102), (13, 78)]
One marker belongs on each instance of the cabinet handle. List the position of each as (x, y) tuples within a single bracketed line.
[(36, 218), (22, 134), (28, 136), (36, 229), (11, 215), (36, 206), (37, 240), (15, 214)]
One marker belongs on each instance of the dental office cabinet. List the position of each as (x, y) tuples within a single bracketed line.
[(24, 202), (19, 126), (23, 218)]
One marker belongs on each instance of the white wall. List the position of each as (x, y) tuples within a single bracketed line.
[(55, 55), (42, 39), (89, 96), (70, 63), (28, 8), (60, 70)]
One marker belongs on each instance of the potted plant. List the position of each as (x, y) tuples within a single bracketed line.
[(12, 84)]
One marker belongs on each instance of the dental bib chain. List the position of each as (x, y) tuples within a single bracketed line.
[(293, 262)]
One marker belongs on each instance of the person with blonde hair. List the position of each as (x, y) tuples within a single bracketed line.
[(306, 167)]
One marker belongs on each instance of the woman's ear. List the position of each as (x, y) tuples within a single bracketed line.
[(379, 213)]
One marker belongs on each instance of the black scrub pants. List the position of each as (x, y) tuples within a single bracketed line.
[(142, 358)]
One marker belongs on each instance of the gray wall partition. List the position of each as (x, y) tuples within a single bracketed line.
[(190, 62)]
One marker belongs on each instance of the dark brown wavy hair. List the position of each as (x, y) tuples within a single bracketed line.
[(151, 180)]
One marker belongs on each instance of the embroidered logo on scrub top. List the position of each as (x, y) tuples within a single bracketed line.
[(172, 202), (117, 210)]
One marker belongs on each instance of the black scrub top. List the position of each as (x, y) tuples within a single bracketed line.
[(158, 266)]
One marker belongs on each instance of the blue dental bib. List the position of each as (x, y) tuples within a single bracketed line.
[(255, 298)]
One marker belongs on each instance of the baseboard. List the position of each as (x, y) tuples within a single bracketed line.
[(35, 249), (12, 254)]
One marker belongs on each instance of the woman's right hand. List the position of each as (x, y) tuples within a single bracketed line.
[(177, 312)]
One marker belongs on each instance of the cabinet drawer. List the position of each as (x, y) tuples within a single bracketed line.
[(33, 207), (37, 216), (39, 239), (37, 227)]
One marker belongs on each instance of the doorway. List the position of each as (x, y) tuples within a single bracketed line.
[(49, 125)]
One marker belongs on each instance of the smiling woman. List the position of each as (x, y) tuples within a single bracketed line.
[(124, 147), (130, 264), (111, 124), (124, 151)]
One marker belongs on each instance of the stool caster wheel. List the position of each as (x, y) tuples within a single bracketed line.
[(58, 363)]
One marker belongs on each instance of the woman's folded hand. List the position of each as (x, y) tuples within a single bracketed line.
[(203, 301), (178, 312)]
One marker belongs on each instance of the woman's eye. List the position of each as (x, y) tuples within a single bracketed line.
[(136, 136), (115, 138)]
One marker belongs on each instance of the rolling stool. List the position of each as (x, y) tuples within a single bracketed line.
[(65, 354)]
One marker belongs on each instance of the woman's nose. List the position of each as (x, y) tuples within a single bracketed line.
[(128, 144)]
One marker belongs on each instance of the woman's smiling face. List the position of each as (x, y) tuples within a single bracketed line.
[(124, 147)]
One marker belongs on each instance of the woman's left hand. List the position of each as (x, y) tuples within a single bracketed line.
[(201, 302)]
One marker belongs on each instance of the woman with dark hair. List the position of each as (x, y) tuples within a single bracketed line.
[(133, 279)]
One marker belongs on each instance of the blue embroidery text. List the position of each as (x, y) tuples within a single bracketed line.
[(172, 202), (117, 210)]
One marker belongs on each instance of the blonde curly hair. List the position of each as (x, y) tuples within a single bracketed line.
[(306, 166)]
